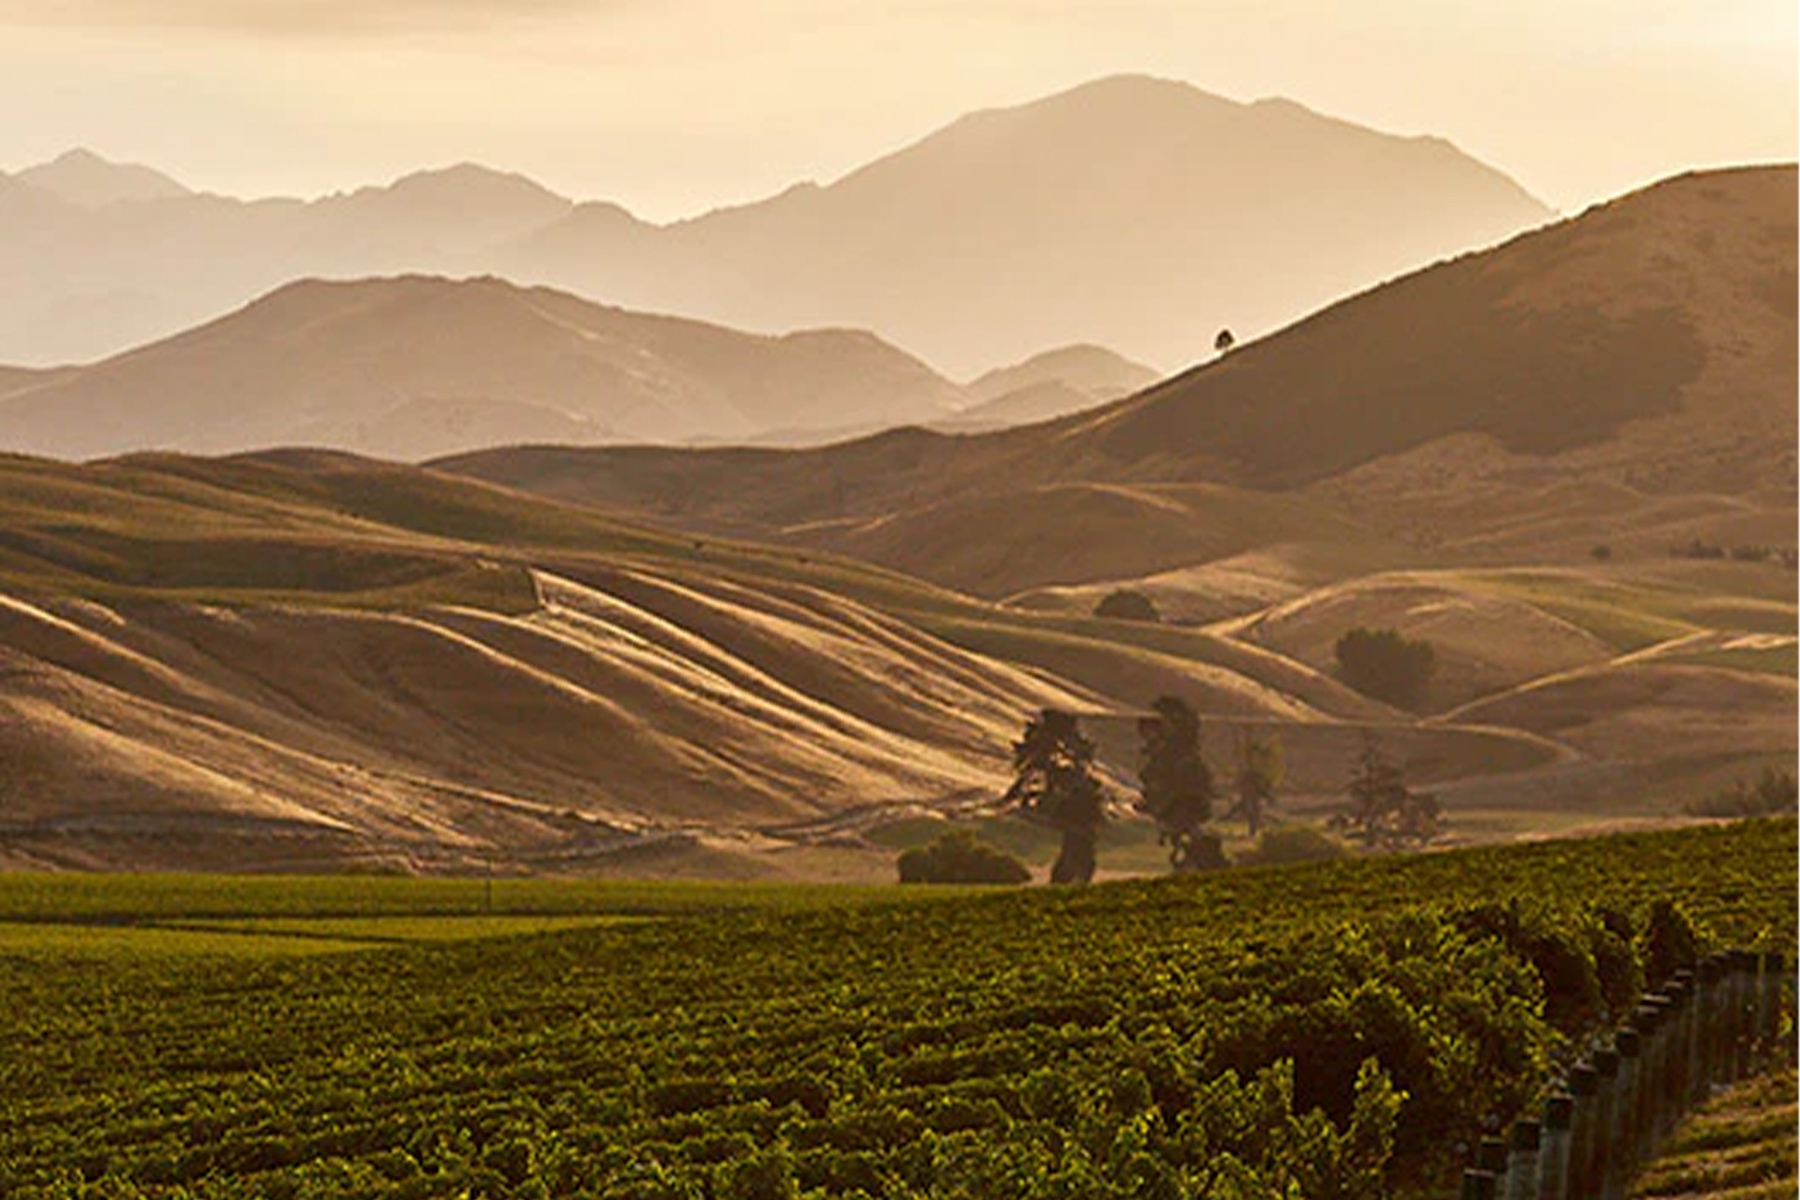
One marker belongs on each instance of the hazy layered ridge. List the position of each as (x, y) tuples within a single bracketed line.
[(411, 367), (1628, 374), (1137, 213)]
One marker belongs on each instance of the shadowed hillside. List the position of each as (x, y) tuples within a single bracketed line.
[(1640, 352), (304, 659)]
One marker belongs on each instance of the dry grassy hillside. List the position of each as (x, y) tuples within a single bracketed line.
[(305, 659), (1625, 376)]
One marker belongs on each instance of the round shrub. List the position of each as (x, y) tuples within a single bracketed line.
[(961, 857)]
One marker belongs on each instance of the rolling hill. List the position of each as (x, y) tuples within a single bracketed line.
[(1138, 213), (306, 660), (413, 366), (1627, 375)]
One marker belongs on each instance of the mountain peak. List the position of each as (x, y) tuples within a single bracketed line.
[(80, 176), (466, 178)]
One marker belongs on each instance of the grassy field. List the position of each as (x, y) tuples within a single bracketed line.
[(1738, 1146)]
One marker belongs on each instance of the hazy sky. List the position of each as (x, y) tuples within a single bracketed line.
[(673, 106)]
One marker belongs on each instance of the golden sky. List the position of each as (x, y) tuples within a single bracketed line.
[(674, 106)]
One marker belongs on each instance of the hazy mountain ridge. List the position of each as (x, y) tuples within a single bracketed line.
[(82, 177), (412, 366), (1137, 213)]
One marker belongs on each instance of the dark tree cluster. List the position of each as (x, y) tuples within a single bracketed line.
[(1773, 792), (1124, 604), (1385, 665), (1055, 783)]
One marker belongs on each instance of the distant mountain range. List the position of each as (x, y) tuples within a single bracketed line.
[(415, 366), (1642, 354), (1136, 213)]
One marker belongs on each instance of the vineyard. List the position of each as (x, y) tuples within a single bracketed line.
[(1344, 1030)]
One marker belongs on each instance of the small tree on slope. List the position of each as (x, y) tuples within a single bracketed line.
[(1383, 811)]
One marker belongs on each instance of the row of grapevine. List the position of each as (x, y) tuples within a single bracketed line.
[(1330, 1031)]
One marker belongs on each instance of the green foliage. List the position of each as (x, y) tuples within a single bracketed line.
[(1669, 941), (1319, 1031), (1176, 785), (1383, 664), (960, 857), (1056, 784), (1774, 791), (1384, 812), (1126, 604)]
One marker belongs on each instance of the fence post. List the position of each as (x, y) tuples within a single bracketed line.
[(1584, 1082), (1553, 1158), (1734, 1042), (1661, 1029), (1774, 976), (1746, 1011), (1522, 1161), (1603, 1175), (1629, 1044), (1681, 991), (1713, 981), (1478, 1185)]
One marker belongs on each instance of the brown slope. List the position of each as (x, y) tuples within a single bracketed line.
[(302, 659), (1647, 346), (413, 366), (1674, 303)]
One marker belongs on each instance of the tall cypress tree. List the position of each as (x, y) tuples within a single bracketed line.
[(1177, 786), (1055, 784)]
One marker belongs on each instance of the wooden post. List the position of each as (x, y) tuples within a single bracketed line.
[(1629, 1044), (1774, 986), (1604, 1177), (1478, 1185), (1584, 1081), (1712, 996), (1745, 1009), (1522, 1160), (1490, 1156), (1681, 991), (1658, 1111), (1553, 1157)]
